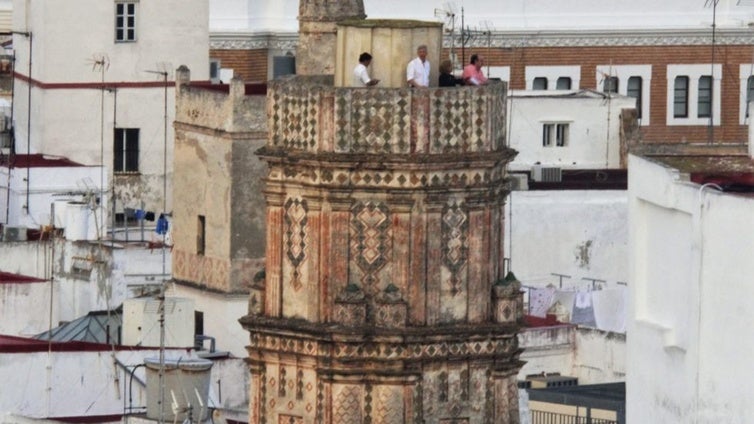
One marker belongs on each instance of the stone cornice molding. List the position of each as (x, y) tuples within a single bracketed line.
[(253, 40), (600, 38), (518, 39)]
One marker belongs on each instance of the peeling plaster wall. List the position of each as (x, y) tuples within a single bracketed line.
[(219, 177), (87, 277), (600, 356), (593, 356), (574, 232)]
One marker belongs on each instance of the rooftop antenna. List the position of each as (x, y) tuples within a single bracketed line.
[(164, 73), (609, 86), (487, 29), (448, 13), (711, 128), (100, 63)]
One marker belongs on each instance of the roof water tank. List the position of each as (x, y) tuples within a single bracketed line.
[(186, 383)]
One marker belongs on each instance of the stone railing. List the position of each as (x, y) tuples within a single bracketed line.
[(309, 114)]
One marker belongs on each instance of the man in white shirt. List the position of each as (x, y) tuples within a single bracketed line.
[(417, 71), (360, 73)]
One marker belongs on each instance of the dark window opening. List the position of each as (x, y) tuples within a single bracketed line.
[(126, 150), (681, 97), (633, 89)]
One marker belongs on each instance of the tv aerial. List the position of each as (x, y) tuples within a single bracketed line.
[(448, 13)]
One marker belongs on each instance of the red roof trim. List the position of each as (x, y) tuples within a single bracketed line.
[(93, 85), (11, 278), (89, 419), (13, 344), (37, 161)]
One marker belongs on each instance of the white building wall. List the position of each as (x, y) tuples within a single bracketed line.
[(72, 384), (691, 269), (68, 114), (593, 356), (221, 315), (88, 277), (46, 186), (590, 144), (581, 233), (600, 356), (23, 307)]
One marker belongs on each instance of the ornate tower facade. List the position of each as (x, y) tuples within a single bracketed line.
[(384, 299)]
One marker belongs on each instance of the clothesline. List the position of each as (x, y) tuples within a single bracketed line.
[(603, 308)]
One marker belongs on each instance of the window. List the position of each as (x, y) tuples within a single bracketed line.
[(125, 21), (563, 83), (214, 70), (681, 97), (634, 90), (540, 83), (704, 98), (610, 85), (126, 150), (554, 135), (200, 234)]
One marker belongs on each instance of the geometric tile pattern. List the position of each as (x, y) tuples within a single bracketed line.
[(370, 241), (384, 179), (346, 407), (388, 405), (295, 236), (294, 118), (455, 249), (290, 419), (372, 121), (381, 350), (201, 269), (463, 120), (452, 111)]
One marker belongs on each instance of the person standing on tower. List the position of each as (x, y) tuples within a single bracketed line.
[(417, 71), (361, 74), (472, 73)]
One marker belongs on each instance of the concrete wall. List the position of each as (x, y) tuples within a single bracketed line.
[(594, 129), (581, 233), (690, 268), (219, 177), (221, 315), (593, 356)]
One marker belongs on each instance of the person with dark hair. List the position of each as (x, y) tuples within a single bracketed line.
[(360, 73), (472, 73), (446, 74)]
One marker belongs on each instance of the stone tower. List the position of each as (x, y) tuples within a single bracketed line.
[(384, 299), (317, 33)]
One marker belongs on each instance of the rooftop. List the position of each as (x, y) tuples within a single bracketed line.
[(611, 396), (730, 172)]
